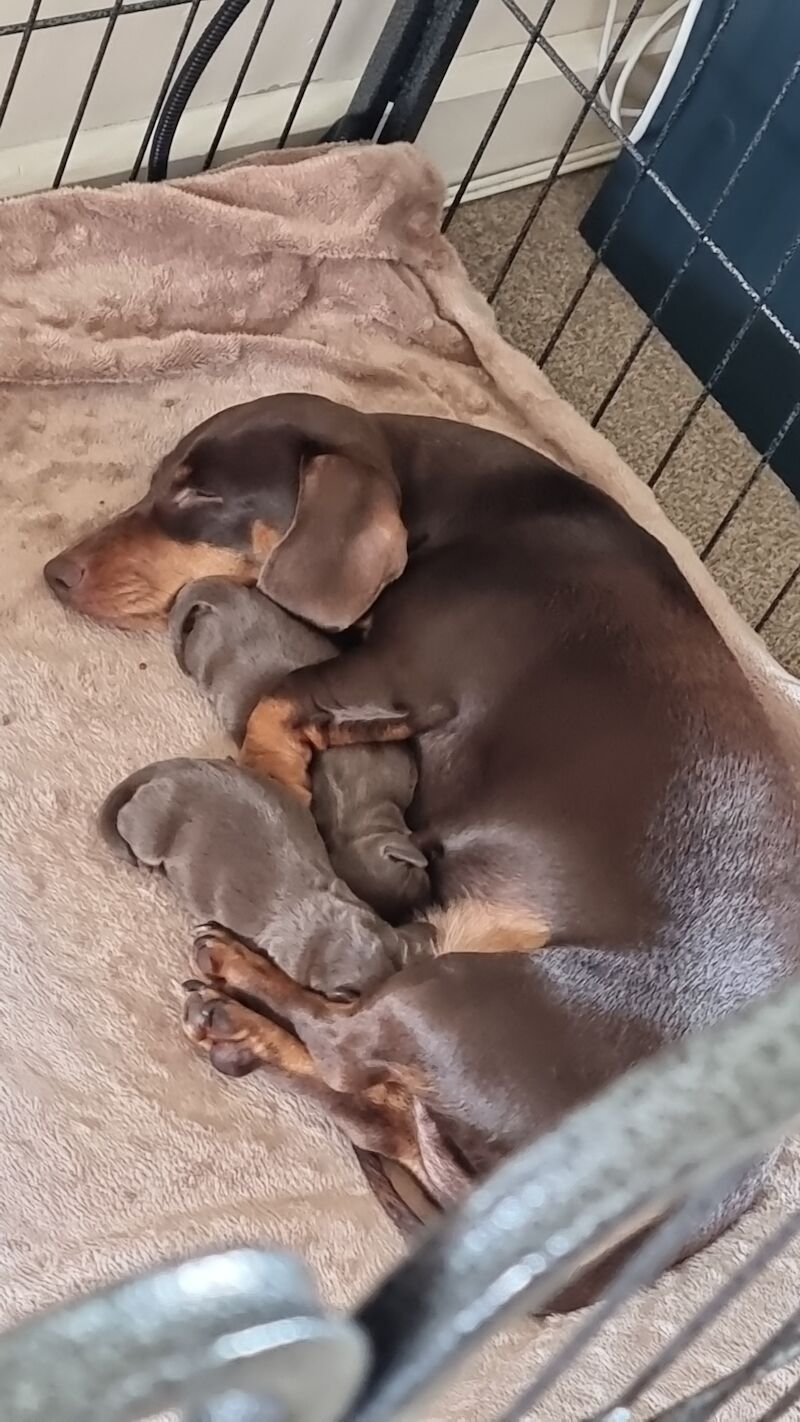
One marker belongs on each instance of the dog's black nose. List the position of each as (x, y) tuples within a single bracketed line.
[(62, 575)]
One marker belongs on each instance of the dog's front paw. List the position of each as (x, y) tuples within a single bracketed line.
[(211, 1023)]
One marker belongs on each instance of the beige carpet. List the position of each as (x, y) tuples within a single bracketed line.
[(125, 317)]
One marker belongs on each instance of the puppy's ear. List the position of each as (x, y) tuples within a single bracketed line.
[(345, 543), (401, 849)]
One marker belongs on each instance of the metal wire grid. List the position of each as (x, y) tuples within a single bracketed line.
[(118, 11), (591, 103)]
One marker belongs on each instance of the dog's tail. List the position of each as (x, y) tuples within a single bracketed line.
[(409, 1201), (398, 1193)]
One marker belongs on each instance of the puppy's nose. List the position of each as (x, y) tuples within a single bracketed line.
[(62, 575)]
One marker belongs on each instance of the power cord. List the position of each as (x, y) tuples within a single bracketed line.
[(614, 97)]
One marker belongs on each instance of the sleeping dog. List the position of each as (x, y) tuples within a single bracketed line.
[(611, 825)]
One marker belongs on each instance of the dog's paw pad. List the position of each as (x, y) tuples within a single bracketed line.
[(207, 1017), (231, 1059)]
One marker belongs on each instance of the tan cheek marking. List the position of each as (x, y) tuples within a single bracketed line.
[(133, 578), (182, 563), (263, 538)]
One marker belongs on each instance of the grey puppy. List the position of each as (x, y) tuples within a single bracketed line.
[(237, 646), (244, 853)]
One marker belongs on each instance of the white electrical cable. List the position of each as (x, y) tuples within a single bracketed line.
[(632, 57), (605, 45), (665, 77), (637, 52)]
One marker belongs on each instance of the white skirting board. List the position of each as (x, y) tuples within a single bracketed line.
[(531, 132)]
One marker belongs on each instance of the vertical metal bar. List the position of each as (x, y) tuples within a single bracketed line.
[(695, 244), (497, 115), (180, 45), (309, 74), (18, 58), (583, 113), (238, 82), (394, 51), (643, 172), (783, 592), (445, 26), (87, 92)]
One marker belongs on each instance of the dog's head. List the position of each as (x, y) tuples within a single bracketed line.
[(293, 493)]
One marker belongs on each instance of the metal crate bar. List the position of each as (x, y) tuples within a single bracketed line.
[(652, 320), (686, 1336), (788, 586), (779, 1351), (25, 37), (751, 480), (639, 1272), (310, 70), (530, 45), (759, 306), (169, 75), (612, 1167), (644, 170), (393, 54), (782, 1407), (590, 102), (238, 82), (111, 22)]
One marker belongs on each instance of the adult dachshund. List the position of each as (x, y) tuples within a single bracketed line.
[(611, 826)]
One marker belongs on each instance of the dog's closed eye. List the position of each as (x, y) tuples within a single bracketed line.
[(188, 497)]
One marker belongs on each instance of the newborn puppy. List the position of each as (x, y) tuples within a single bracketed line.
[(237, 646), (244, 853)]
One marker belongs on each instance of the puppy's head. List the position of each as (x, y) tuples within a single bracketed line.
[(292, 492)]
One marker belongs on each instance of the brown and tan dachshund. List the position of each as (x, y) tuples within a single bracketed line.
[(611, 826)]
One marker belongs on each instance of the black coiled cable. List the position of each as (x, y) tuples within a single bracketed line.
[(181, 91)]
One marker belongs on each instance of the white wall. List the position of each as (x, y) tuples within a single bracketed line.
[(58, 61)]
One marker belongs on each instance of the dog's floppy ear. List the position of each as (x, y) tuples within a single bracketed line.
[(345, 543)]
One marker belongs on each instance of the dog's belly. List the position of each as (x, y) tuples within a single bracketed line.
[(541, 834)]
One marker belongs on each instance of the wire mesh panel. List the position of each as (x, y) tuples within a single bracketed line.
[(558, 302), (253, 72)]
